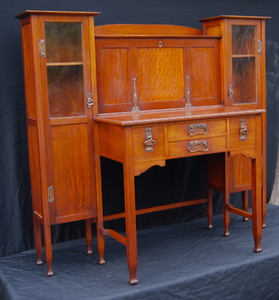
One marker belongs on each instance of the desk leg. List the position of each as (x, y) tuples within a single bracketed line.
[(130, 221), (226, 195), (100, 222), (257, 204)]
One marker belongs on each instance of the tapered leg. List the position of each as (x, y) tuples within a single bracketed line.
[(209, 208), (88, 235), (131, 229), (99, 197), (226, 195), (48, 249), (256, 204), (245, 200), (38, 241)]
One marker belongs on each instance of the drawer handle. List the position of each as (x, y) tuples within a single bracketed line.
[(198, 146), (149, 142), (198, 129), (243, 131)]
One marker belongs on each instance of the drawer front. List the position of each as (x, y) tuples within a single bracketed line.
[(148, 142), (243, 132), (197, 146), (181, 131)]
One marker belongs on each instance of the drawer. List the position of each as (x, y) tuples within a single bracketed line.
[(243, 132), (198, 146), (148, 142), (181, 131)]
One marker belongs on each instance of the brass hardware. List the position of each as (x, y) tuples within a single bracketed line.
[(42, 48), (149, 142), (160, 44), (50, 191), (188, 92), (90, 101), (243, 131), (196, 146), (195, 129), (135, 94), (231, 93), (260, 46)]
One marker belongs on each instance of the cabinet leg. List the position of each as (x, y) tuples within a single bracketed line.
[(209, 209), (257, 215), (100, 243), (38, 241), (245, 200), (48, 249), (88, 235), (263, 190)]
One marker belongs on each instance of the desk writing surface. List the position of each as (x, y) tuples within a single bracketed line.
[(172, 115)]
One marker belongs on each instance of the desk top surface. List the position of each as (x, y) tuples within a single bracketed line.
[(174, 115)]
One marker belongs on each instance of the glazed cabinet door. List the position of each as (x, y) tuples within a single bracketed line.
[(68, 106), (244, 48)]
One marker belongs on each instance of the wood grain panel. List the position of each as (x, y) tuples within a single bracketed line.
[(70, 169), (160, 74), (114, 82), (204, 71)]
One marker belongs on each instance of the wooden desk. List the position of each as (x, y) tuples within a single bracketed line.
[(168, 92)]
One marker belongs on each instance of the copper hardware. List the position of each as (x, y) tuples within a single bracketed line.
[(195, 129), (90, 101), (149, 142), (243, 131), (42, 48), (196, 146)]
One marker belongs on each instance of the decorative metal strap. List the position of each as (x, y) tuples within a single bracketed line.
[(149, 142), (243, 131), (195, 129), (196, 146)]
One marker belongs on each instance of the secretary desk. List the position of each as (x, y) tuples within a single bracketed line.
[(140, 95), (167, 92)]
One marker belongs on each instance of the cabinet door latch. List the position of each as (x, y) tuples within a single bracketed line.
[(50, 191), (90, 101)]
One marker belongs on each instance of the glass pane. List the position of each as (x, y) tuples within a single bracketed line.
[(243, 39), (63, 42), (244, 80), (65, 91)]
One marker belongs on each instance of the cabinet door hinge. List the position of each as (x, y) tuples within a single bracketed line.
[(260, 46), (42, 48), (50, 191)]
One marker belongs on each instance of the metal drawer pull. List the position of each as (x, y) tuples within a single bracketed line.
[(197, 129), (243, 131), (198, 146), (149, 142)]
